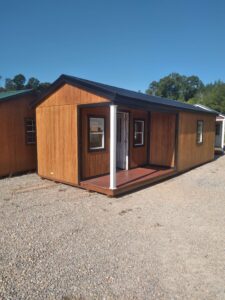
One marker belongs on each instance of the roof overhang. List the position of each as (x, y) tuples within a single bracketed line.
[(114, 97)]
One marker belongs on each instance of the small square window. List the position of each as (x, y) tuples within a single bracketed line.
[(30, 131), (139, 128), (96, 133), (199, 132)]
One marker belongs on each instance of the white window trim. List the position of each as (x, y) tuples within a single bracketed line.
[(97, 133), (139, 132)]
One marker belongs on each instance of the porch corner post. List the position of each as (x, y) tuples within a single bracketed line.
[(113, 129)]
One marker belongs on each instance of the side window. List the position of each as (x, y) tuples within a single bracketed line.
[(217, 129), (96, 133), (30, 131), (139, 132), (199, 132)]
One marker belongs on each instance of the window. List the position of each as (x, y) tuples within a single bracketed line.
[(139, 128), (199, 132), (217, 129), (96, 133), (30, 131)]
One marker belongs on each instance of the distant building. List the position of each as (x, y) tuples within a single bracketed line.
[(18, 134)]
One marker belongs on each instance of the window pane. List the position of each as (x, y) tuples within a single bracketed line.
[(96, 141), (139, 126), (139, 133), (96, 133), (118, 130), (138, 139), (199, 131), (30, 131), (217, 129), (96, 124)]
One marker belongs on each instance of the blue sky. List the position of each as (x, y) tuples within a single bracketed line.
[(124, 43)]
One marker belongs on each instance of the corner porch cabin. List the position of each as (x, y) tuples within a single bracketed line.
[(160, 132), (123, 148)]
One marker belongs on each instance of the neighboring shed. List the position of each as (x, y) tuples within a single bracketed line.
[(220, 128), (18, 137), (113, 140)]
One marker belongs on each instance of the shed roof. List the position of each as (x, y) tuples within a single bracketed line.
[(209, 109), (10, 94), (121, 96)]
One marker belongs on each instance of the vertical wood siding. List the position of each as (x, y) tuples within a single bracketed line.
[(15, 155), (162, 139), (190, 153), (94, 162), (138, 155), (57, 142), (57, 133)]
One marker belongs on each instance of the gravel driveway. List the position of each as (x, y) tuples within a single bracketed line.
[(163, 242)]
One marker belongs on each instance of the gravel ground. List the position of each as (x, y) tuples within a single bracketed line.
[(163, 242)]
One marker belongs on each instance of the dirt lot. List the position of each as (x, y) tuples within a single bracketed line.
[(163, 242)]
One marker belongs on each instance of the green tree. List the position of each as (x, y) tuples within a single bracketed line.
[(176, 86), (43, 86), (33, 83), (19, 81), (213, 96), (10, 84)]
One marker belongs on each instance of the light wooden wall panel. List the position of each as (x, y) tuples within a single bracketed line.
[(95, 162), (68, 95), (15, 155), (162, 139), (57, 143), (190, 153)]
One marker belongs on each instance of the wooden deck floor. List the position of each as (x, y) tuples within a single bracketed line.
[(128, 180)]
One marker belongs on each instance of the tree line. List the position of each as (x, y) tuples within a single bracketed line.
[(190, 89), (19, 82)]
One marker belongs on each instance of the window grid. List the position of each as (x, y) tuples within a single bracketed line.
[(96, 133), (139, 127), (30, 131)]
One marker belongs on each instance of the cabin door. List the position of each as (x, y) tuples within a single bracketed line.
[(122, 140), (218, 140)]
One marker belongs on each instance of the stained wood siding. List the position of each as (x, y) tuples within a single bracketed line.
[(57, 143), (162, 139), (15, 155), (57, 133), (190, 153), (138, 155), (95, 162), (68, 95)]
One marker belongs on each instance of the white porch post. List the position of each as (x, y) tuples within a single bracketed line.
[(113, 121)]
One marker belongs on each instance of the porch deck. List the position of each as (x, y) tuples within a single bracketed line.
[(128, 180)]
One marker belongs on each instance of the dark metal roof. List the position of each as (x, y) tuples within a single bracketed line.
[(121, 96), (207, 108), (7, 95)]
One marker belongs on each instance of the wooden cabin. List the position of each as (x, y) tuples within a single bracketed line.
[(18, 137), (219, 131), (111, 140)]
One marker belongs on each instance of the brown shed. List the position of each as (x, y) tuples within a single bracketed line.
[(18, 137), (113, 140)]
